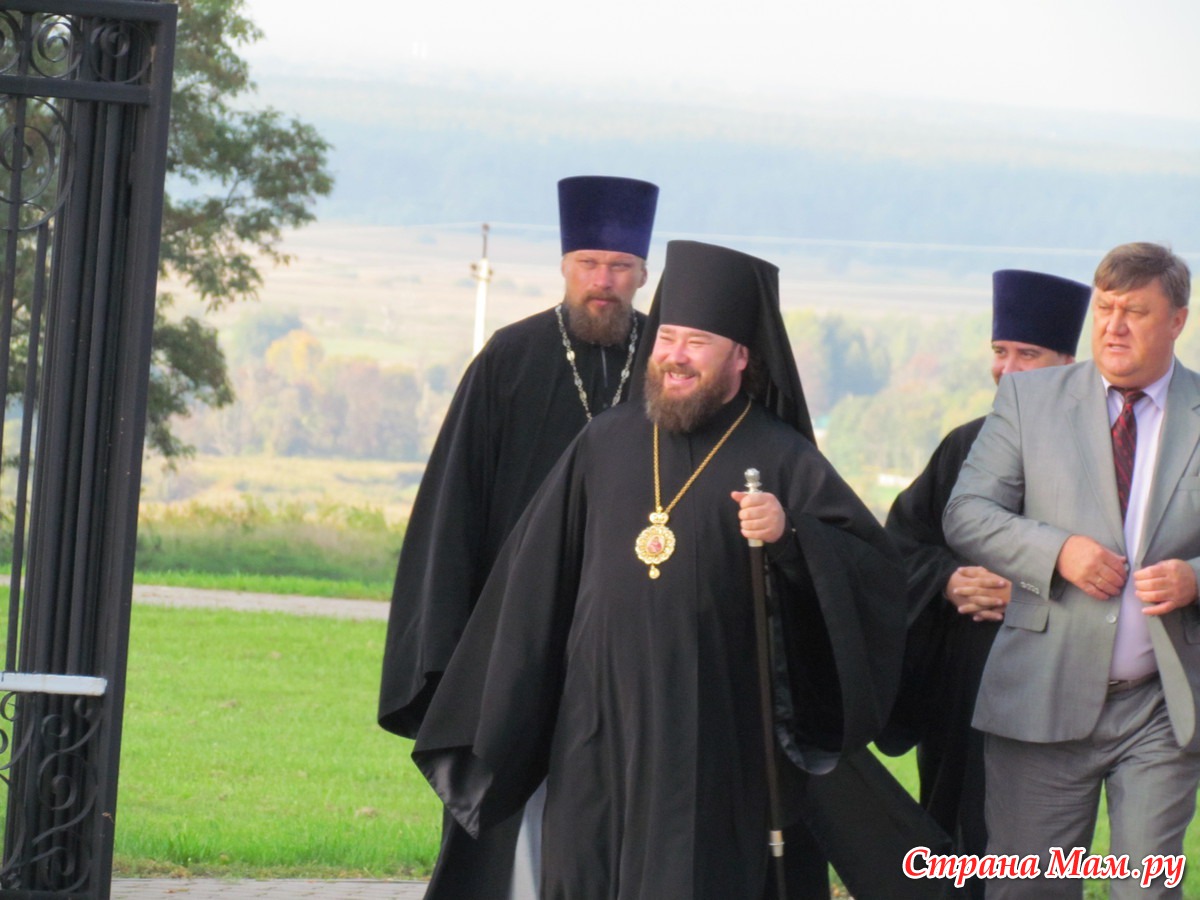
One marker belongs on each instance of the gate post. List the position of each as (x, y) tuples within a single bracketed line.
[(90, 80)]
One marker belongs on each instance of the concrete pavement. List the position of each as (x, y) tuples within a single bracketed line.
[(154, 595), (280, 889)]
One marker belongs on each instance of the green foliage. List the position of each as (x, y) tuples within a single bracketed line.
[(838, 358), (924, 378), (247, 175), (7, 522), (257, 172), (890, 432), (186, 367), (896, 429), (328, 543)]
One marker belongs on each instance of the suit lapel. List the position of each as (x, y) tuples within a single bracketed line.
[(1090, 429), (1176, 444)]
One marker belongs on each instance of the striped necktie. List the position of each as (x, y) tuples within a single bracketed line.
[(1124, 440)]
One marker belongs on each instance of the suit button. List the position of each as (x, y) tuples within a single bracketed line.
[(1111, 618)]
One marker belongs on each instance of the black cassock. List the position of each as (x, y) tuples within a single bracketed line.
[(515, 411), (946, 655), (636, 698)]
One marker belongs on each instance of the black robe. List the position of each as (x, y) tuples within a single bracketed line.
[(946, 654), (636, 698), (515, 411)]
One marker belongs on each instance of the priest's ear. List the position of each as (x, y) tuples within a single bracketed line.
[(741, 356), (754, 377)]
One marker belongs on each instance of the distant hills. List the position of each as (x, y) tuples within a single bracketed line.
[(892, 217), (1018, 185)]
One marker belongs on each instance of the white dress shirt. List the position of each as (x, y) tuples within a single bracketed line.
[(1133, 654)]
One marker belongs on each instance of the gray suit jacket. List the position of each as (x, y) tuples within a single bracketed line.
[(1040, 471)]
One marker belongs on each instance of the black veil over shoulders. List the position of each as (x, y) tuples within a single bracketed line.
[(706, 286)]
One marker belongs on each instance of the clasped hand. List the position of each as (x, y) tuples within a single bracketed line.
[(1101, 574), (979, 593)]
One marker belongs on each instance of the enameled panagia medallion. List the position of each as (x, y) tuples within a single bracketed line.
[(656, 543)]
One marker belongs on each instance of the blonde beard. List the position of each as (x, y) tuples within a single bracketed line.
[(607, 329)]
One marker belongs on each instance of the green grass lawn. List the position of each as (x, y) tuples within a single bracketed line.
[(251, 749)]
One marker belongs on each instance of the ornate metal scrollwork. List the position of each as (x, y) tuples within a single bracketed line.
[(39, 44), (66, 786), (32, 140), (54, 51), (116, 46), (62, 47), (10, 42)]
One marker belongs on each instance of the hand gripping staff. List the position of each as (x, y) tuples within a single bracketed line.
[(758, 586)]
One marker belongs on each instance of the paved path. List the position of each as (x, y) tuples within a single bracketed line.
[(282, 889), (300, 606), (285, 889)]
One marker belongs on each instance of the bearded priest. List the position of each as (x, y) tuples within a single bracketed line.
[(612, 652)]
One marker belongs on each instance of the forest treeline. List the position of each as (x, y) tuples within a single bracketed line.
[(292, 400), (882, 390)]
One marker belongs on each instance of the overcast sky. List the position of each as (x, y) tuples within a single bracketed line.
[(1115, 56)]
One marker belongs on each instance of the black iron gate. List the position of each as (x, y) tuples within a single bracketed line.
[(84, 101)]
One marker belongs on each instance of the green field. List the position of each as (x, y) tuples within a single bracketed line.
[(251, 749), (317, 549), (320, 488)]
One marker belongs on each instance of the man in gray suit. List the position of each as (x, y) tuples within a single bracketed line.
[(1037, 320), (1083, 488)]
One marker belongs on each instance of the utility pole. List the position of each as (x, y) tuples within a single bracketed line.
[(483, 274)]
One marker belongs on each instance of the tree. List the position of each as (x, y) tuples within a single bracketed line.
[(296, 356), (836, 358), (248, 339), (248, 174)]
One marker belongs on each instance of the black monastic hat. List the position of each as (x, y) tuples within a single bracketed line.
[(1034, 308), (736, 296), (599, 212)]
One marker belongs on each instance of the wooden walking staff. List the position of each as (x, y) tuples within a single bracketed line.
[(758, 585)]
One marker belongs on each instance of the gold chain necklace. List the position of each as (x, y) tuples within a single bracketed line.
[(656, 543)]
